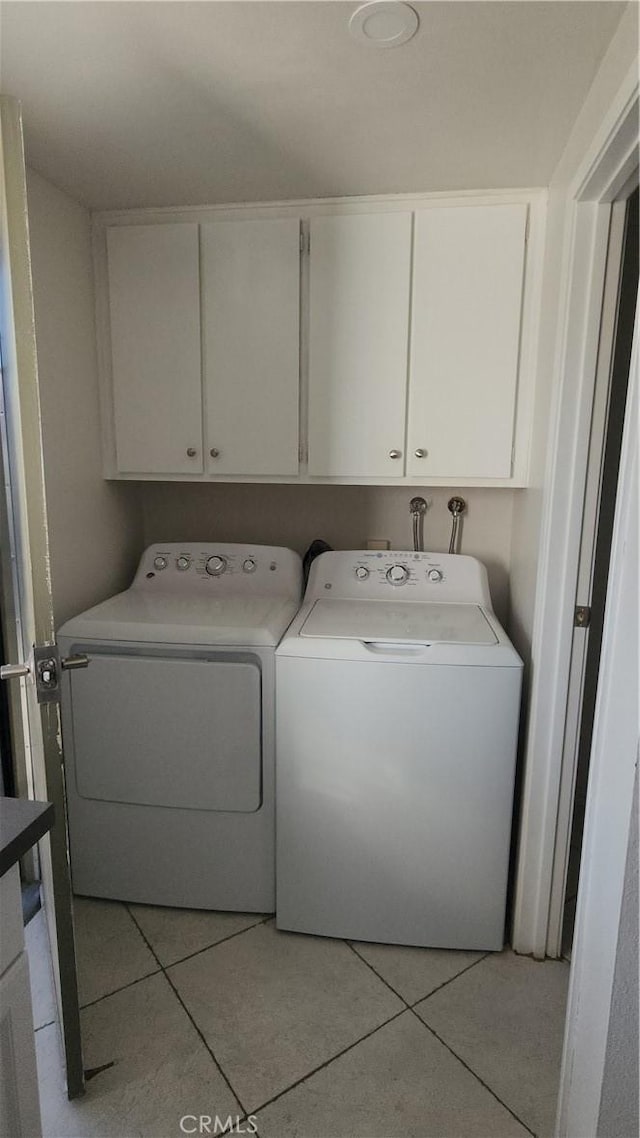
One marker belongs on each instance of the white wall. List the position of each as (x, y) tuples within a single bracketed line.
[(345, 516), (619, 1109), (620, 57), (95, 528)]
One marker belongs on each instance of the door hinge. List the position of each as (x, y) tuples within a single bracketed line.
[(582, 616)]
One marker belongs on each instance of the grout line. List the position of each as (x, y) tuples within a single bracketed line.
[(376, 973), (208, 1047), (420, 998), (445, 983), (327, 1063), (49, 1023), (472, 1072), (190, 1017), (123, 988), (424, 999), (223, 940), (255, 1111)]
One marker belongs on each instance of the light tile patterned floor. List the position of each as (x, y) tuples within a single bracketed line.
[(189, 1014)]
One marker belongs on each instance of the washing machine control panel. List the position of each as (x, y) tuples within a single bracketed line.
[(398, 575), (372, 569), (227, 570), (373, 574), (215, 565)]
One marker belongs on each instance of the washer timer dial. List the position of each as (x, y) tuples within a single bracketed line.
[(216, 566), (397, 575)]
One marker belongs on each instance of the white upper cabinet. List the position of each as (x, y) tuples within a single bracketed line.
[(358, 339), (251, 307), (154, 313), (468, 270), (400, 346)]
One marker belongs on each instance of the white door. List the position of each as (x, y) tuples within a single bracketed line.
[(25, 577), (154, 309), (251, 338), (468, 272), (358, 344)]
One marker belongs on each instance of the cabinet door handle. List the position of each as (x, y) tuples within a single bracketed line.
[(192, 452), (395, 454), (420, 453), (214, 452)]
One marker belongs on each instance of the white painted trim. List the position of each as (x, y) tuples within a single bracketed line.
[(313, 207), (605, 169), (555, 594), (609, 807), (581, 636)]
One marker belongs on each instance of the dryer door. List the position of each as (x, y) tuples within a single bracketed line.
[(174, 732)]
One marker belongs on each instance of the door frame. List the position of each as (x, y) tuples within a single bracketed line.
[(602, 178), (26, 528), (574, 744), (610, 804)]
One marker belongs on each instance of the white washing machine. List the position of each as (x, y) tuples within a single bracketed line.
[(397, 712), (169, 733)]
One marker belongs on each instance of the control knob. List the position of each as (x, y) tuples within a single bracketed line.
[(159, 563), (362, 572), (434, 575), (183, 563), (397, 575), (249, 566), (216, 566)]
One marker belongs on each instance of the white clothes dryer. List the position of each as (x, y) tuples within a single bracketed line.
[(396, 726), (169, 732)]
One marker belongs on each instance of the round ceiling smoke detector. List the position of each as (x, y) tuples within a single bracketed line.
[(384, 23)]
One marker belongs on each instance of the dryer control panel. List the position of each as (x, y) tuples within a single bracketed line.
[(375, 575), (226, 569)]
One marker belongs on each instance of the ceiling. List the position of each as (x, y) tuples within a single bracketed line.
[(178, 103)]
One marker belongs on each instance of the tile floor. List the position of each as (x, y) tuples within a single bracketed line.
[(191, 1013)]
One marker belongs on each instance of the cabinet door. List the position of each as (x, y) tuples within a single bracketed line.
[(154, 302), (467, 297), (251, 313), (19, 1103), (359, 319)]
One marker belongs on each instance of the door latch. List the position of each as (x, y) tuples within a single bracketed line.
[(582, 616), (48, 666)]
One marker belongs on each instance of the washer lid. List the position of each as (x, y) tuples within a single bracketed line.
[(170, 619), (399, 621)]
